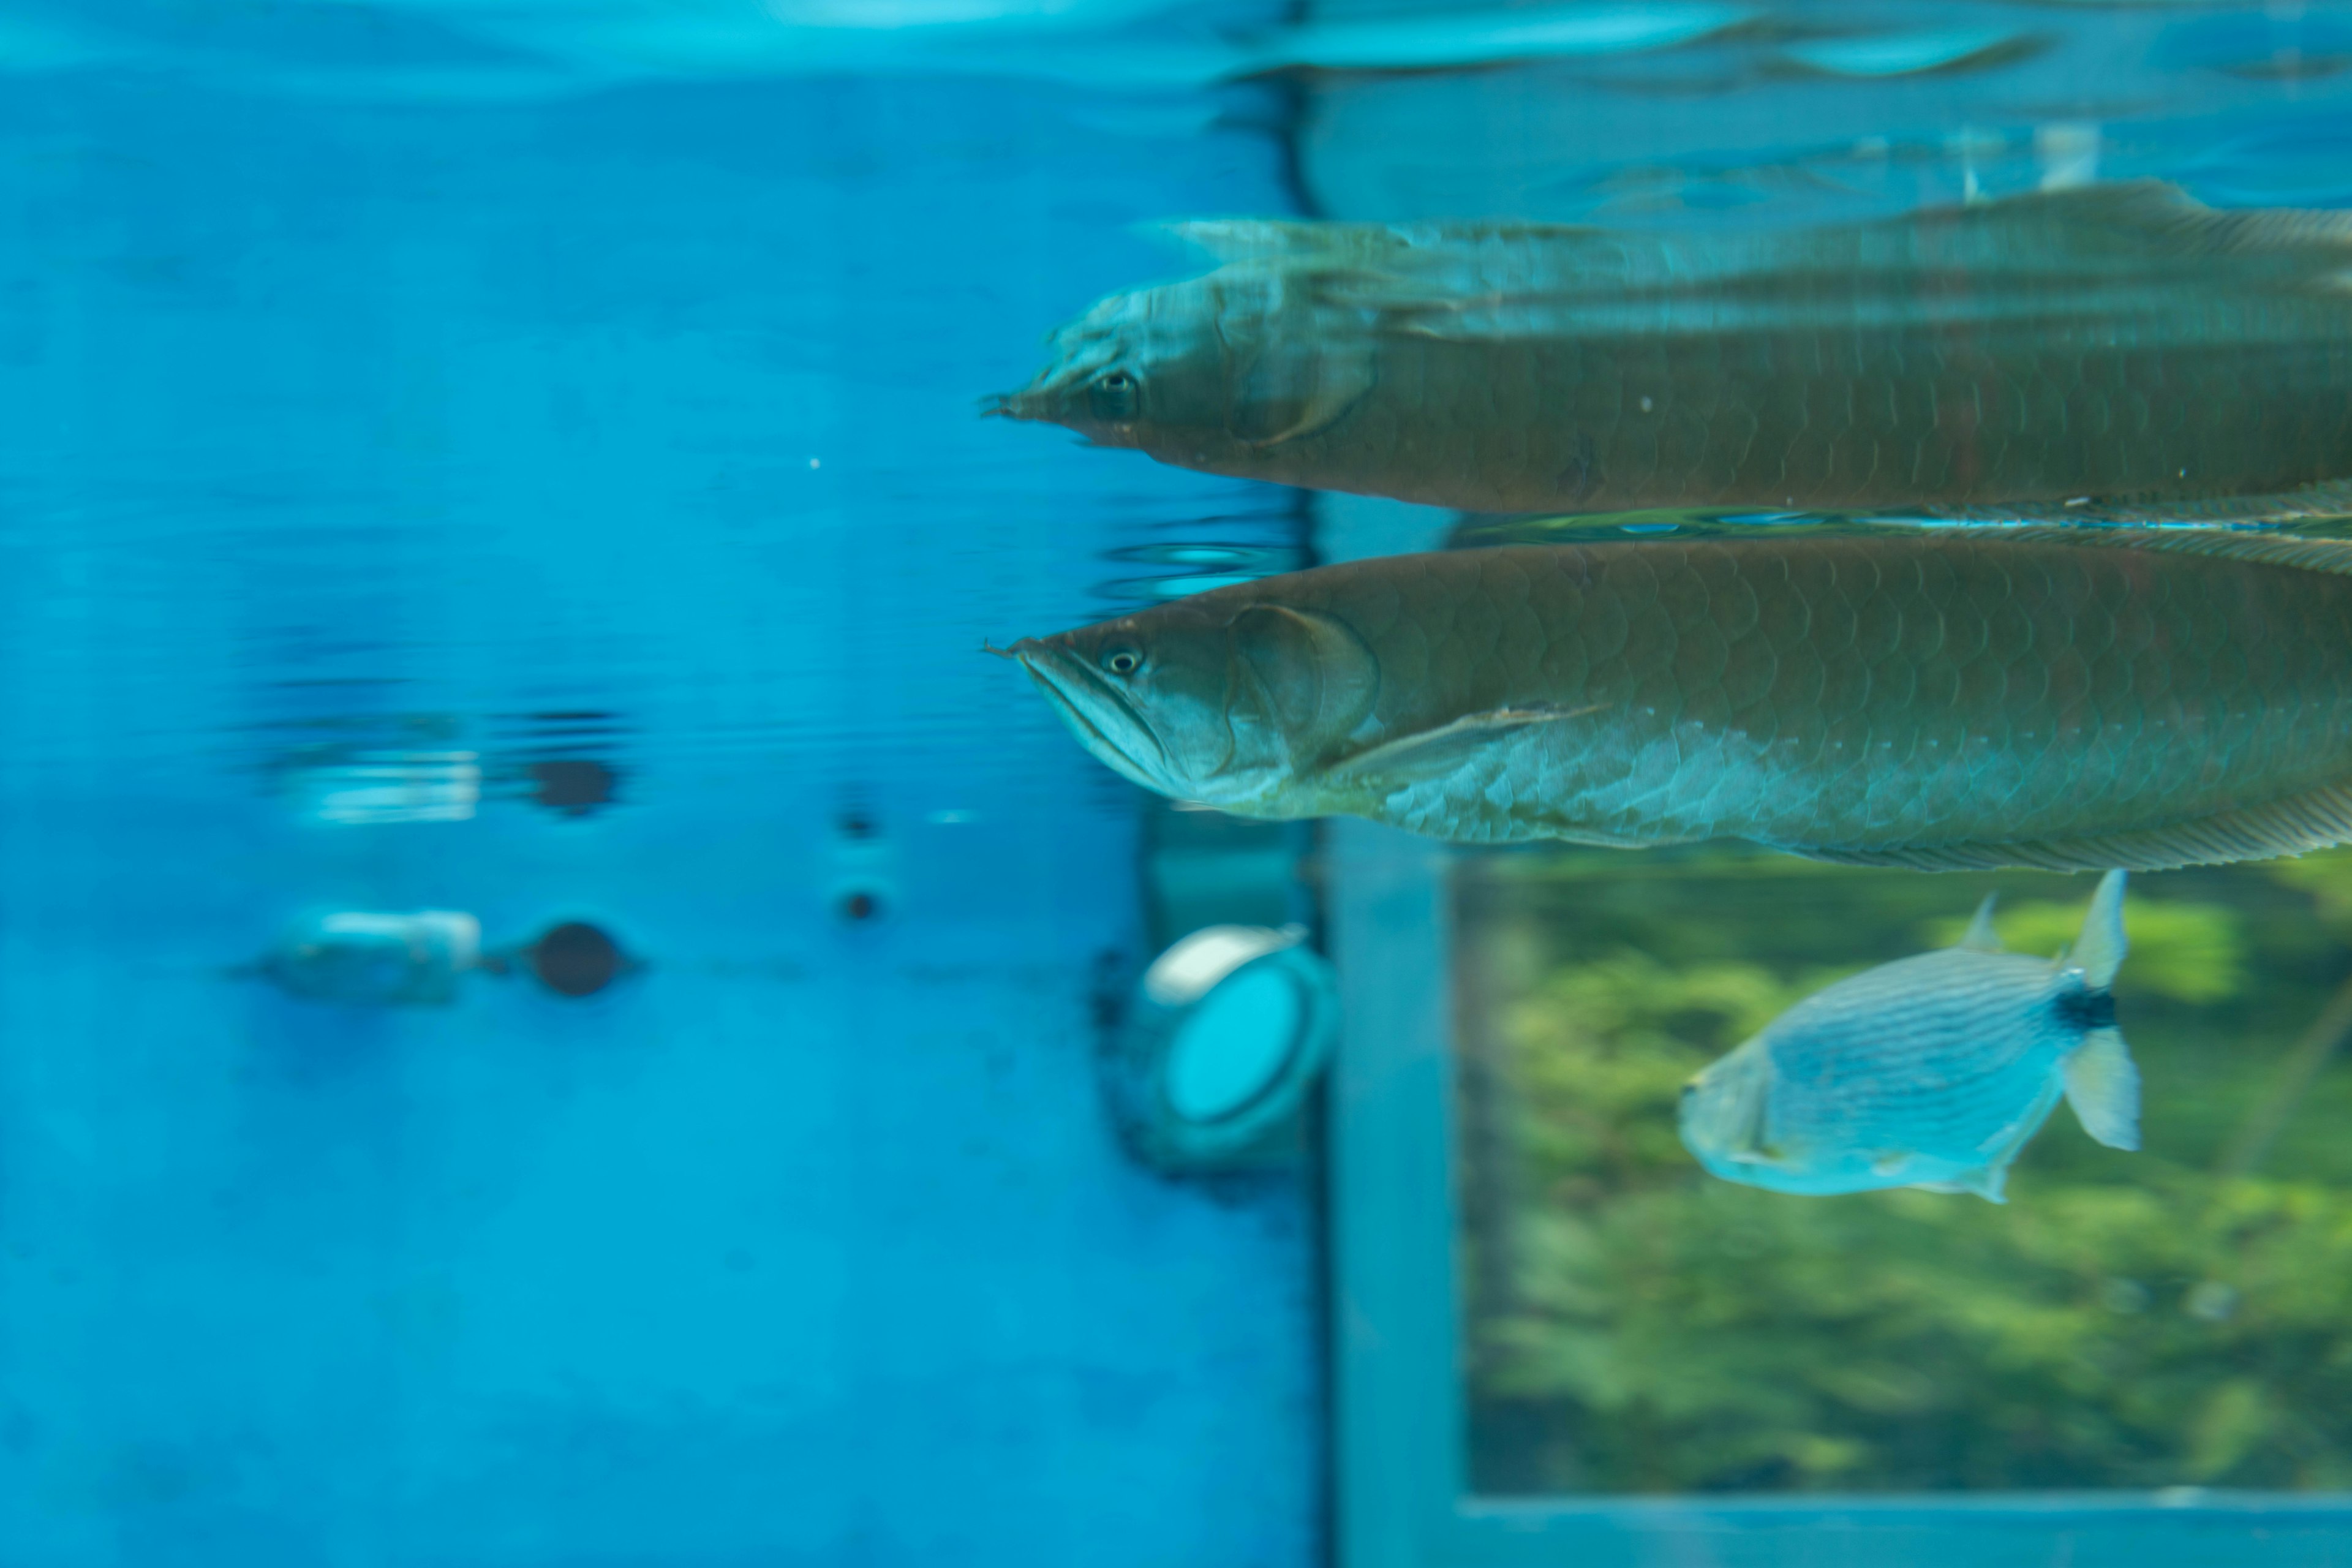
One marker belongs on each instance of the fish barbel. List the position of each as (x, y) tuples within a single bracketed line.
[(1944, 698), (2119, 348), (1932, 1071)]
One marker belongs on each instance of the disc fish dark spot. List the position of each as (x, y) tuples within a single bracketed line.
[(2086, 1010)]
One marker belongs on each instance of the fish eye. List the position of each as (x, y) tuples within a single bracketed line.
[(1114, 396), (1122, 659)]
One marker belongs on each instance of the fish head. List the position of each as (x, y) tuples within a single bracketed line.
[(1220, 698), (1214, 373), (1726, 1121), (1723, 1117)]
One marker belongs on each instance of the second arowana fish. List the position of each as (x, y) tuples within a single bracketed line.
[(2118, 348), (1944, 698)]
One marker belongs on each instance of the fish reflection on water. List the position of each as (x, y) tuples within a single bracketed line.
[(2118, 348), (1937, 699), (1932, 1071)]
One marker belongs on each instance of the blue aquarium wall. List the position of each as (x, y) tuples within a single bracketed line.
[(361, 457)]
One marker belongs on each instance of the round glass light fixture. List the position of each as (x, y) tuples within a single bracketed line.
[(1219, 1045)]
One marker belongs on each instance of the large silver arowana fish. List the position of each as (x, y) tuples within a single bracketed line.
[(1942, 699), (1932, 1071), (2118, 347)]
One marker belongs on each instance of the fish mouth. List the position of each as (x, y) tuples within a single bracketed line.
[(1021, 404), (1101, 717)]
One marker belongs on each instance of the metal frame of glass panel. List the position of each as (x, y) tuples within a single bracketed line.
[(1404, 1498)]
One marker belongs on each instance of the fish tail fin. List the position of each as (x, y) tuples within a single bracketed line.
[(2100, 949), (2102, 1086)]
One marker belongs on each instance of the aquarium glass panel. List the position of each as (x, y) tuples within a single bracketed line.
[(2178, 1317)]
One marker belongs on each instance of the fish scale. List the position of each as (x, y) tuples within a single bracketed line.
[(1945, 698)]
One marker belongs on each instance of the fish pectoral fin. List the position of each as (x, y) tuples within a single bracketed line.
[(1990, 1180), (1986, 1182), (1339, 384), (1298, 378), (2102, 1086), (1438, 754), (1981, 937)]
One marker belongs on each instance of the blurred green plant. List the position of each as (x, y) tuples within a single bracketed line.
[(2126, 1321)]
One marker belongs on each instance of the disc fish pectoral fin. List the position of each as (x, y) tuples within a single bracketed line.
[(1990, 1180), (2102, 1086), (1439, 753)]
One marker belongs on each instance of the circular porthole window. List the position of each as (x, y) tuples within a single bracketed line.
[(1220, 1044)]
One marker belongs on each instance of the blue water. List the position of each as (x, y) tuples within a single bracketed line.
[(397, 399), (632, 427)]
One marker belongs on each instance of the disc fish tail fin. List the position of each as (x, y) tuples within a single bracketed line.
[(2102, 1086)]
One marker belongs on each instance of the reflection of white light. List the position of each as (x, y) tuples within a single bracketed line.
[(1184, 973), (447, 936), (1904, 54), (1444, 36), (398, 786), (1223, 1040), (378, 958), (2068, 151)]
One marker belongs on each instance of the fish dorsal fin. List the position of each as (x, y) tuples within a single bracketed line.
[(1432, 754), (2125, 249), (2162, 211), (2330, 555), (1286, 242), (1981, 937), (2100, 949), (2102, 1086), (2327, 499), (2132, 201), (1246, 238)]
